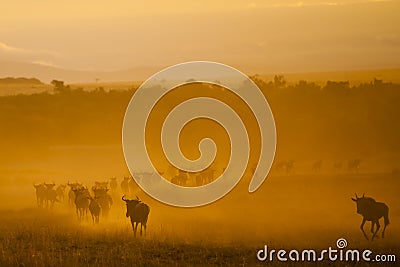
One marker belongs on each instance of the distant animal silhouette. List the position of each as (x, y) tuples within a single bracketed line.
[(61, 192), (103, 199), (372, 211), (71, 194), (354, 165), (40, 194), (337, 165), (82, 197), (132, 185), (125, 185), (316, 167), (94, 209), (113, 184), (51, 195), (138, 212)]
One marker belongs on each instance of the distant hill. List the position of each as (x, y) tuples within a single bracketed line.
[(49, 73), (20, 81)]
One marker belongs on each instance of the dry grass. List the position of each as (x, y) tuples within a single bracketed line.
[(42, 238)]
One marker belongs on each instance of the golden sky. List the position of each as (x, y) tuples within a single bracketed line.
[(260, 36)]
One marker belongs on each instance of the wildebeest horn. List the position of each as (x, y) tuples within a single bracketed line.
[(363, 195), (137, 198), (356, 196), (123, 198)]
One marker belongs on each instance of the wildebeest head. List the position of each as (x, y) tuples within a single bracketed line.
[(363, 203), (130, 205)]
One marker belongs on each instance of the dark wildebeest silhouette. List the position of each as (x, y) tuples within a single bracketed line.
[(82, 202), (286, 166), (50, 195), (316, 167), (337, 165), (372, 211), (71, 194), (125, 185), (200, 179), (354, 165), (60, 190), (40, 194), (113, 184), (132, 185), (94, 209), (138, 212), (104, 199)]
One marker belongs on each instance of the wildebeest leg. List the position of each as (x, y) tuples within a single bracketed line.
[(362, 228), (377, 228), (141, 225), (145, 229), (372, 227), (383, 232), (133, 228), (136, 226)]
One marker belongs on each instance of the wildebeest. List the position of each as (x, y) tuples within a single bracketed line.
[(82, 197), (138, 212), (337, 165), (113, 184), (71, 194), (40, 194), (103, 198), (316, 167), (132, 185), (354, 165), (372, 211), (94, 209), (125, 185), (286, 166), (50, 195), (60, 190)]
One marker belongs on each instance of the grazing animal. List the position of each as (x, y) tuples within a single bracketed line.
[(101, 184), (125, 185), (132, 185), (289, 166), (200, 180), (104, 199), (286, 166), (51, 195), (40, 194), (61, 191), (182, 178), (138, 212), (354, 165), (338, 166), (71, 194), (113, 184), (82, 197), (372, 211), (94, 209), (316, 167)]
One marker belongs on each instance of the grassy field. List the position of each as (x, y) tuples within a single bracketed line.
[(226, 233), (42, 238)]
